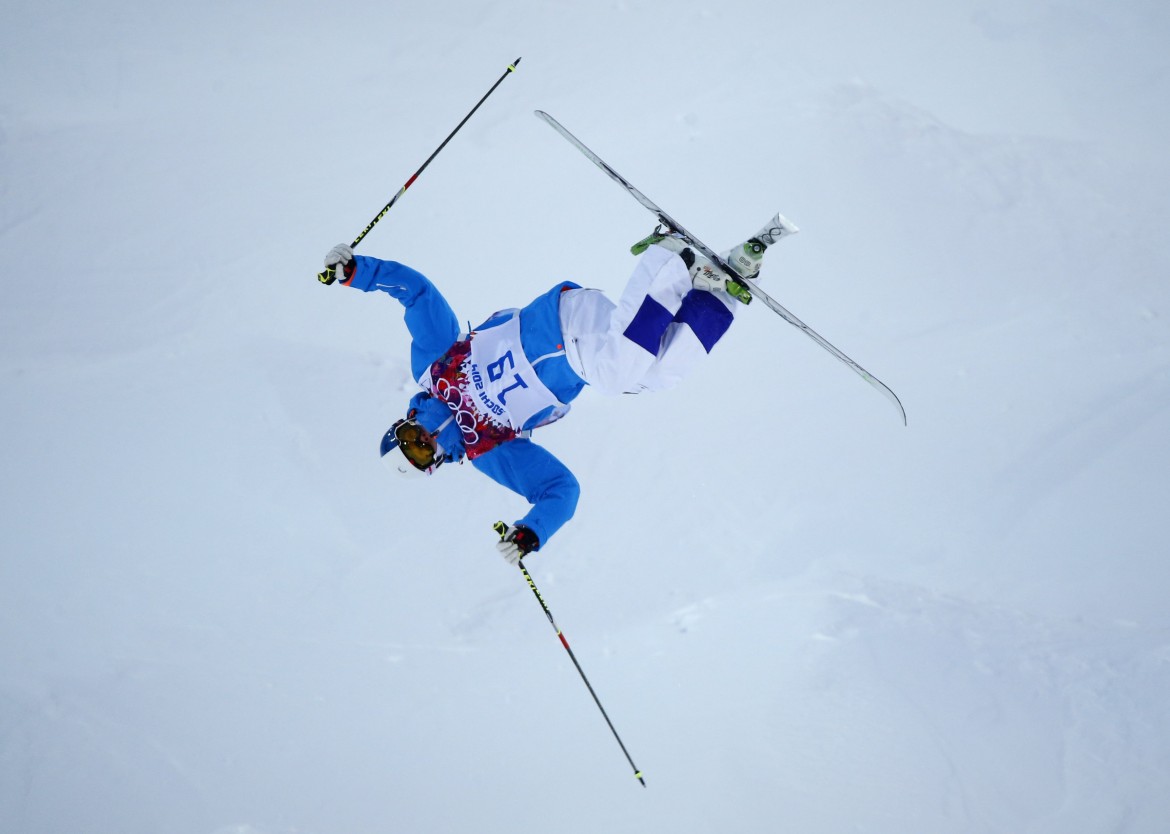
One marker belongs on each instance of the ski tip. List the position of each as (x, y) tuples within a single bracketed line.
[(512, 66), (892, 397)]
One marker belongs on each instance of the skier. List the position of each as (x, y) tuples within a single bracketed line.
[(484, 392)]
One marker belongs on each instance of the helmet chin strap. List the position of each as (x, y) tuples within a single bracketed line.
[(439, 450)]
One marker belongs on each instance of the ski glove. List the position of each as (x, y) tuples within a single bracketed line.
[(340, 257), (515, 542)]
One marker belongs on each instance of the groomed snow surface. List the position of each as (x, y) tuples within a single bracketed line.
[(219, 615)]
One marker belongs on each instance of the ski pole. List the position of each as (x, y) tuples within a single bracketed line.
[(501, 528), (330, 274)]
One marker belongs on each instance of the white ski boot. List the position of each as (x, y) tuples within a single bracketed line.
[(745, 259)]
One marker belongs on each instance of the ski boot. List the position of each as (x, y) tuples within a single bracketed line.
[(746, 258), (704, 274), (707, 276)]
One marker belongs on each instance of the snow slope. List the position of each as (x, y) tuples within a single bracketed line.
[(218, 616)]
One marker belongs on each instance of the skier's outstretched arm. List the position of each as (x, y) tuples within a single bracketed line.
[(432, 324), (533, 472)]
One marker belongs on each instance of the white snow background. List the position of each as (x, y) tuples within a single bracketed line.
[(218, 615)]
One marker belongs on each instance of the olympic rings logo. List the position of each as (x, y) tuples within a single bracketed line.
[(452, 397)]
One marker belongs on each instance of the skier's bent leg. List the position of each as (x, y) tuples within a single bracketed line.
[(615, 351), (702, 320)]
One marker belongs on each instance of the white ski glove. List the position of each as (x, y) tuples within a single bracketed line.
[(338, 259), (339, 255), (515, 542)]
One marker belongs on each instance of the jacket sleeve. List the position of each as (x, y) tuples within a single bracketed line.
[(533, 472), (429, 318)]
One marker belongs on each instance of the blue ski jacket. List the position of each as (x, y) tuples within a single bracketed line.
[(518, 464)]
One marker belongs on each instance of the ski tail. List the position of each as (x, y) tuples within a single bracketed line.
[(665, 219), (601, 163)]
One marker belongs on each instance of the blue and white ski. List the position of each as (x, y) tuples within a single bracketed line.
[(674, 226)]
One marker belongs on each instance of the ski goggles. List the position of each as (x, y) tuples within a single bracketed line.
[(416, 443)]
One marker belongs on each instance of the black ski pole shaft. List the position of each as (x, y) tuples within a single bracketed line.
[(500, 528), (330, 275)]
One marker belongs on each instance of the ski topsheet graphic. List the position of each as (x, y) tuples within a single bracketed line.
[(674, 226)]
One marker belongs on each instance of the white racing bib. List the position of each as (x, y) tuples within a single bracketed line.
[(491, 387), (502, 382)]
